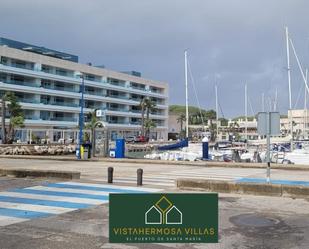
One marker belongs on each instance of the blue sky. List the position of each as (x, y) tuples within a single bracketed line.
[(231, 42)]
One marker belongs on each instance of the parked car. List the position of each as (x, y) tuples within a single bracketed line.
[(130, 139), (141, 139)]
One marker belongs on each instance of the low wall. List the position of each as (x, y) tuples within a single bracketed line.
[(264, 189), (31, 149), (40, 173)]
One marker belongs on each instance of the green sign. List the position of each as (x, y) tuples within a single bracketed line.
[(163, 218)]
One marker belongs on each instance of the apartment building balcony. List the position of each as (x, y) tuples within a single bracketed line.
[(35, 105), (59, 123), (33, 72)]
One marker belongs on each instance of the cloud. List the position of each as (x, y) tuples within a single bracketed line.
[(242, 41)]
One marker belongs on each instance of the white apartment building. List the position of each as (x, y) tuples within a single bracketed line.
[(48, 86), (300, 123)]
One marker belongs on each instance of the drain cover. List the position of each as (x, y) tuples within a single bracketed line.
[(253, 220)]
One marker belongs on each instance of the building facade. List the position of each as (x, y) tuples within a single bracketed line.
[(300, 123), (48, 83)]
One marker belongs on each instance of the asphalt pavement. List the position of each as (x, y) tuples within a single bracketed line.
[(244, 221)]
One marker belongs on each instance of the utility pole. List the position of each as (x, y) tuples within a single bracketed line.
[(3, 111), (81, 116), (217, 111), (246, 114), (187, 104)]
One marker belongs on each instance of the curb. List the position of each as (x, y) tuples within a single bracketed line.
[(40, 173), (278, 190)]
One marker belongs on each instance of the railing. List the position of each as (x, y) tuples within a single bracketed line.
[(117, 96), (31, 100), (68, 119), (138, 88), (70, 75), (59, 103), (20, 83), (60, 88), (95, 93), (20, 66), (117, 122)]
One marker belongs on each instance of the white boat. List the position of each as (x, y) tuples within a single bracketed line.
[(298, 156)]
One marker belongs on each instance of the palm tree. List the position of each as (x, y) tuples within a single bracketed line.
[(150, 106), (181, 118), (149, 124), (142, 105), (92, 124)]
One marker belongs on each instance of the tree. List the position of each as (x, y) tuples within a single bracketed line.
[(150, 106), (3, 112), (147, 105), (181, 118), (210, 115), (142, 105), (149, 124), (16, 116), (92, 124)]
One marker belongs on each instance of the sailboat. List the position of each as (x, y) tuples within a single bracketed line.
[(300, 155)]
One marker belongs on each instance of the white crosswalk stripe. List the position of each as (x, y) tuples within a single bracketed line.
[(18, 205), (40, 208), (167, 179)]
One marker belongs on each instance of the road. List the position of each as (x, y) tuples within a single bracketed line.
[(51, 213)]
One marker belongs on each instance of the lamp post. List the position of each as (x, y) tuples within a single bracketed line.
[(81, 116)]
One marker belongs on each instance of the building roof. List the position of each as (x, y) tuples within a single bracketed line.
[(36, 49)]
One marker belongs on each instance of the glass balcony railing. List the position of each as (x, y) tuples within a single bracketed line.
[(135, 123), (138, 88), (95, 93), (68, 119), (26, 66), (66, 89), (20, 83), (136, 111), (59, 103), (117, 109), (29, 100), (71, 75), (117, 96), (117, 122), (32, 118)]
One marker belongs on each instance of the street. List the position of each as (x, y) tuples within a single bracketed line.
[(57, 213)]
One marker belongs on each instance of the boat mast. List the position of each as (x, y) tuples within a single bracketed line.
[(305, 107), (246, 114), (276, 100), (217, 111), (289, 82), (263, 102), (186, 85)]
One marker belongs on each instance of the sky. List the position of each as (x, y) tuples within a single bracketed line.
[(230, 43)]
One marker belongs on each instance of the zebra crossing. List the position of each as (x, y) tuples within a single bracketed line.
[(22, 204), (167, 179)]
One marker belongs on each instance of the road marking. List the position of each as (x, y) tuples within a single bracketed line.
[(283, 182), (52, 198), (136, 189), (37, 208), (21, 204)]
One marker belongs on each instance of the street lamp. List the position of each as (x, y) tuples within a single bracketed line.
[(81, 115)]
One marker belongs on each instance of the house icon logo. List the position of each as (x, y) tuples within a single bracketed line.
[(163, 212)]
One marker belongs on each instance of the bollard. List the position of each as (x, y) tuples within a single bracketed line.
[(205, 148), (110, 171), (139, 177), (268, 173)]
